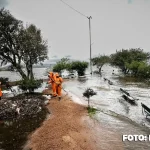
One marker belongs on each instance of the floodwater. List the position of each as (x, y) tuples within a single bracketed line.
[(114, 112), (40, 73), (109, 97)]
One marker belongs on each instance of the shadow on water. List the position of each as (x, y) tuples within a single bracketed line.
[(125, 105), (14, 133)]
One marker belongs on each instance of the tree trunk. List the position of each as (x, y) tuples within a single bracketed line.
[(99, 70), (31, 72), (88, 102), (19, 69)]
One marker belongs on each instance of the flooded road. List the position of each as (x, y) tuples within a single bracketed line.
[(114, 112), (109, 97)]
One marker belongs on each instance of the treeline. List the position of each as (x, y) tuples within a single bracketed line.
[(133, 62), (65, 63)]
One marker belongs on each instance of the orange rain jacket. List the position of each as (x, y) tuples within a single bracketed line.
[(1, 91), (58, 81), (52, 82)]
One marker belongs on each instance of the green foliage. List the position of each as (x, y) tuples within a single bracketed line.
[(65, 63), (133, 66), (99, 61), (34, 47), (3, 80), (20, 45), (124, 57), (89, 93), (144, 71), (139, 69), (91, 110), (29, 84), (10, 28), (79, 66)]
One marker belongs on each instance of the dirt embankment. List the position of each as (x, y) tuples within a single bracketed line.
[(70, 128)]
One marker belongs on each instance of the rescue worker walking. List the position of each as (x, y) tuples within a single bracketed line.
[(0, 91), (58, 81), (51, 81)]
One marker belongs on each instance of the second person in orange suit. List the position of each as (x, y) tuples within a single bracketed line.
[(52, 79), (58, 81), (0, 91)]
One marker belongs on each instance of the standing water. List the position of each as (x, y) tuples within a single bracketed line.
[(114, 112), (109, 97)]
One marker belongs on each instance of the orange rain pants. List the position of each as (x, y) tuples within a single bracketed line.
[(52, 82), (58, 81)]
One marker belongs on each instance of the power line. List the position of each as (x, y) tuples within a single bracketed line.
[(89, 29), (74, 9)]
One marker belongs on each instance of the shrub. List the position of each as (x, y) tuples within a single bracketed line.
[(3, 80), (29, 85), (91, 110), (79, 66), (89, 93)]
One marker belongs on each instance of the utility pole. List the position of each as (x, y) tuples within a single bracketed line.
[(90, 44), (89, 30)]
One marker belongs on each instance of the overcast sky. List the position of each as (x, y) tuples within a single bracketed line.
[(115, 24)]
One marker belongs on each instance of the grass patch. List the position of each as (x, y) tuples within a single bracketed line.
[(91, 111)]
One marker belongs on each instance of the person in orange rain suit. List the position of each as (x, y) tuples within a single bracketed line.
[(58, 81), (0, 91), (52, 82)]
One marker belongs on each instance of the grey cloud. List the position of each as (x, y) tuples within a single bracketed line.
[(3, 3)]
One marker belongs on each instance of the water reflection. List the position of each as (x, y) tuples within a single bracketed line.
[(82, 80), (125, 106)]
